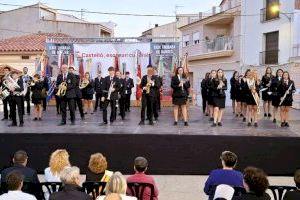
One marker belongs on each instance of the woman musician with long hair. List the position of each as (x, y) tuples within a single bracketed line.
[(180, 85), (234, 82), (219, 97), (87, 89), (252, 97), (286, 90), (266, 82), (204, 93), (243, 94), (210, 103), (275, 95), (37, 96)]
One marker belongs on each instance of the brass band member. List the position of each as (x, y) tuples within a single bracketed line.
[(286, 90), (37, 96), (180, 85), (210, 103), (149, 85), (15, 88), (66, 82), (57, 99), (244, 91), (252, 97), (128, 90), (156, 101), (99, 83), (26, 82), (275, 95), (7, 99), (111, 89), (219, 97), (87, 84), (121, 94), (45, 91), (234, 82), (204, 93), (266, 82), (239, 97)]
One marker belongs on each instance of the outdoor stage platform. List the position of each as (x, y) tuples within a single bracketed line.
[(171, 150)]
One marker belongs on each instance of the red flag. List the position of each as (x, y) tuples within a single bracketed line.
[(116, 64), (81, 69), (138, 76)]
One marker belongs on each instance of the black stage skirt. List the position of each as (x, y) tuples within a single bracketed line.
[(266, 96), (250, 100), (36, 101), (87, 96), (219, 102), (178, 101)]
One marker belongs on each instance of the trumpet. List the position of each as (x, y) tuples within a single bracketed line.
[(110, 90), (62, 88), (84, 83)]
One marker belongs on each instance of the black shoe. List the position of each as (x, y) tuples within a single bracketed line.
[(85, 113), (21, 124), (214, 125), (219, 124), (244, 119), (151, 123), (287, 124), (103, 124), (211, 119), (44, 109), (282, 124), (40, 119), (265, 115), (12, 125), (4, 119), (175, 123), (62, 124), (255, 124), (186, 124), (241, 115), (237, 115), (269, 115), (28, 113), (92, 113), (72, 123), (206, 114), (249, 124), (35, 119), (274, 121), (142, 123)]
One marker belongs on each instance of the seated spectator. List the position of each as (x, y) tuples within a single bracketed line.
[(227, 175), (14, 183), (256, 184), (97, 169), (140, 168), (70, 177), (20, 160), (223, 192), (291, 195), (59, 160), (117, 185)]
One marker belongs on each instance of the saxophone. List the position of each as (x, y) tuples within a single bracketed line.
[(148, 85), (62, 88)]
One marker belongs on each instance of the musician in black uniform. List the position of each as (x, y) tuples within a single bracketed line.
[(156, 99), (286, 90), (210, 103), (204, 93), (128, 90), (36, 87), (70, 95), (16, 99), (234, 82), (122, 95), (110, 95), (219, 85), (180, 85), (6, 101), (45, 92), (78, 100), (57, 99), (87, 93), (26, 81), (266, 82), (275, 95), (243, 95), (149, 85), (99, 83), (239, 96)]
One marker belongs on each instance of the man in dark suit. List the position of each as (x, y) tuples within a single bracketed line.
[(110, 81), (45, 92), (99, 84), (7, 99), (26, 80), (20, 160), (121, 94), (69, 97), (156, 99), (149, 84), (70, 178), (78, 100), (128, 90)]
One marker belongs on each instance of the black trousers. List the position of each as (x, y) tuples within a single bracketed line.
[(26, 99), (147, 102), (156, 106), (5, 106), (58, 103), (71, 104), (122, 101), (16, 103), (80, 106), (113, 110), (127, 102), (204, 102), (158, 102), (98, 101), (44, 104)]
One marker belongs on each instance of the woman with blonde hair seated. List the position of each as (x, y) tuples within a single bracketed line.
[(97, 168), (59, 160), (117, 184)]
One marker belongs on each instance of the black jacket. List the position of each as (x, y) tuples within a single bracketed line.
[(235, 84), (291, 195), (37, 90), (71, 85), (218, 92), (70, 192), (114, 95), (129, 85), (89, 89), (252, 196), (99, 85), (30, 175), (153, 89), (77, 90), (177, 90), (274, 86), (282, 88)]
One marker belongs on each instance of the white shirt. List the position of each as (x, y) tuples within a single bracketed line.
[(124, 197), (50, 177), (17, 195)]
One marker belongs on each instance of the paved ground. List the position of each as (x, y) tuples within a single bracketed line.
[(199, 125)]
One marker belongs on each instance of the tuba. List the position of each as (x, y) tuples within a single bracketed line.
[(84, 83), (62, 88)]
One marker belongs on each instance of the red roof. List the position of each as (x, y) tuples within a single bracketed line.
[(29, 43)]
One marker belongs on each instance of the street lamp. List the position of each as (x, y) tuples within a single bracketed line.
[(275, 9)]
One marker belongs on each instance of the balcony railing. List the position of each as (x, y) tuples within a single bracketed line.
[(218, 44), (269, 57), (296, 50), (266, 14)]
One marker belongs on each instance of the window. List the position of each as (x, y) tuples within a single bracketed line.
[(268, 13), (25, 57), (270, 55), (196, 37), (186, 40)]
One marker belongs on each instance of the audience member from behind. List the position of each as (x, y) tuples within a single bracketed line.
[(70, 177), (227, 175), (97, 169), (116, 185), (20, 160), (59, 160), (14, 183), (140, 168), (292, 195), (256, 184)]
